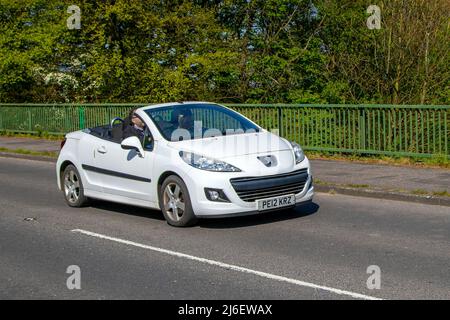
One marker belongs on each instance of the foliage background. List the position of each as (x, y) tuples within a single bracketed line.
[(245, 51)]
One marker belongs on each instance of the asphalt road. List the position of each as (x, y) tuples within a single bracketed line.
[(308, 253)]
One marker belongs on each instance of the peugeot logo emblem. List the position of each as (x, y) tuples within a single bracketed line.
[(267, 160)]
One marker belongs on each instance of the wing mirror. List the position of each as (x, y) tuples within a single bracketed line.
[(133, 143)]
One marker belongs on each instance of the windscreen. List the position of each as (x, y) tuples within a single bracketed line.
[(196, 121)]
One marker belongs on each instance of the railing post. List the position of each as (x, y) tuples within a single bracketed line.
[(362, 129), (446, 133), (280, 120), (81, 117), (29, 120)]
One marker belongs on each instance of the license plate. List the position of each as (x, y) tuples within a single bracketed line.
[(275, 202)]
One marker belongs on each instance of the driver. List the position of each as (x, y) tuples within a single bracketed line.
[(135, 127)]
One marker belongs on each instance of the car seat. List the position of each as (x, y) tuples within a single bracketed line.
[(116, 130)]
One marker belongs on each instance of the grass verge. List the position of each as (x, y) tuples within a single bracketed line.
[(30, 152), (40, 135)]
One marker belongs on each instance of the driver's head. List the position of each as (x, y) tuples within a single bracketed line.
[(137, 121), (185, 119), (133, 120)]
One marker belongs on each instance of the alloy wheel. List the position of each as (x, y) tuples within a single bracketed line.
[(71, 186), (173, 199)]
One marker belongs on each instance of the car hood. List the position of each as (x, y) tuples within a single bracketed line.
[(227, 146)]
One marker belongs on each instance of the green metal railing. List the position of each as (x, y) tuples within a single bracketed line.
[(418, 131)]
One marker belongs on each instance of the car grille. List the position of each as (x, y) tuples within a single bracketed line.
[(250, 189)]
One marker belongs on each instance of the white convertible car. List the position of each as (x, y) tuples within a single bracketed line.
[(194, 159)]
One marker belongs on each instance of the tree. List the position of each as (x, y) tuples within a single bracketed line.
[(261, 51)]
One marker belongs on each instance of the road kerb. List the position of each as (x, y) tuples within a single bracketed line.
[(383, 194)]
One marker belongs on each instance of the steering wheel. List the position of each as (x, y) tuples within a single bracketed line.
[(114, 120)]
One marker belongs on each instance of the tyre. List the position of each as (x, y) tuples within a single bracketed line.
[(72, 187), (175, 203)]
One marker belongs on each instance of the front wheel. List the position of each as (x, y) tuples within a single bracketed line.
[(175, 202)]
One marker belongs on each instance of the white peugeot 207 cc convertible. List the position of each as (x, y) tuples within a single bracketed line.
[(193, 159)]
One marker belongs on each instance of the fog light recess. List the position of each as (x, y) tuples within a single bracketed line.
[(216, 195)]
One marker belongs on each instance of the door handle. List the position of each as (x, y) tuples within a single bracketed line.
[(102, 149)]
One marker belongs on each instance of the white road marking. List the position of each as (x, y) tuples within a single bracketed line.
[(229, 266)]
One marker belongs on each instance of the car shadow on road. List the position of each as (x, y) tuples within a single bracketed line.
[(215, 223), (262, 218), (127, 209)]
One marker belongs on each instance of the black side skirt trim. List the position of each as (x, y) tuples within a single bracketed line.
[(114, 173)]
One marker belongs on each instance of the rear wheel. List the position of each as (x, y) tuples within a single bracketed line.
[(73, 187), (175, 202)]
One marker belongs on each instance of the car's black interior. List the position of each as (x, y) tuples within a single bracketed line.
[(108, 132), (114, 132)]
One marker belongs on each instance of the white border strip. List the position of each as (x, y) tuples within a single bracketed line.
[(229, 266)]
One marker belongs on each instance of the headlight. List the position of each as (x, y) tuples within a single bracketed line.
[(205, 163), (298, 152)]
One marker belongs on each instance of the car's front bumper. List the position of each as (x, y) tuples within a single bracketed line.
[(205, 208), (299, 201)]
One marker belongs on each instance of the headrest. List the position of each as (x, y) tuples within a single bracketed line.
[(174, 118)]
